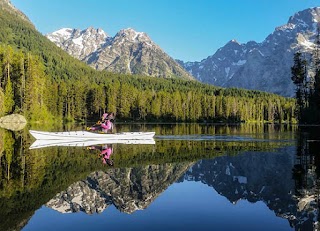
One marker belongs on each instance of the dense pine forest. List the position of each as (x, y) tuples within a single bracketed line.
[(44, 83), (306, 76)]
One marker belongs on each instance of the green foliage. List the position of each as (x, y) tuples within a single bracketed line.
[(307, 87), (8, 97), (299, 78), (2, 108)]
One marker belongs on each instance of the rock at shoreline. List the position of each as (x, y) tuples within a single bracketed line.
[(13, 122)]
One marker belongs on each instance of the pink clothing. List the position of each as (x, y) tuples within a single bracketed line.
[(106, 153), (104, 116), (107, 125)]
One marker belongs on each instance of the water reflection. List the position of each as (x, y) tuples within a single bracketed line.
[(105, 152), (306, 175), (266, 166), (86, 143), (128, 189)]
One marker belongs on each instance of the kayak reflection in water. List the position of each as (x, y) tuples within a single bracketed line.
[(105, 152), (105, 125)]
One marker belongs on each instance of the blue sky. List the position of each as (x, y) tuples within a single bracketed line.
[(189, 30)]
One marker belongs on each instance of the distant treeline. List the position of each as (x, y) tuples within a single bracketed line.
[(44, 83), (26, 88)]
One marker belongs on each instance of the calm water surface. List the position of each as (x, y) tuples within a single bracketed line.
[(192, 177)]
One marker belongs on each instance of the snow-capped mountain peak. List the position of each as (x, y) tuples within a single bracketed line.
[(130, 35), (80, 43), (128, 51), (306, 18), (262, 66), (64, 33)]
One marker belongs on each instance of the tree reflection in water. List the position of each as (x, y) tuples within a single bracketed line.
[(306, 174), (32, 178)]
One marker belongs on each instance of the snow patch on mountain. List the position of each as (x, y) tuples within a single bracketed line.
[(262, 66), (129, 52)]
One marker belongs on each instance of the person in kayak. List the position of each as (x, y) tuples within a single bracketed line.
[(105, 153), (105, 125)]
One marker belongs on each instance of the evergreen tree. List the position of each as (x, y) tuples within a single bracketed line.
[(308, 89), (8, 97), (2, 110), (298, 71), (315, 84), (7, 60)]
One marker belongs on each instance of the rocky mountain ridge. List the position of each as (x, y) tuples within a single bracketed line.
[(237, 178), (127, 189), (128, 52), (233, 177), (262, 66)]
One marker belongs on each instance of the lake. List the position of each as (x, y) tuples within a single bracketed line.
[(193, 177)]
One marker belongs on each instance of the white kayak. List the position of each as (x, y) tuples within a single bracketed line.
[(84, 143), (85, 135)]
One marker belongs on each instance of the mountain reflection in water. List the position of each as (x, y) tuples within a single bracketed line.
[(272, 168)]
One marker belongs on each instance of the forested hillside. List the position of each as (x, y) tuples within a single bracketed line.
[(43, 82)]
